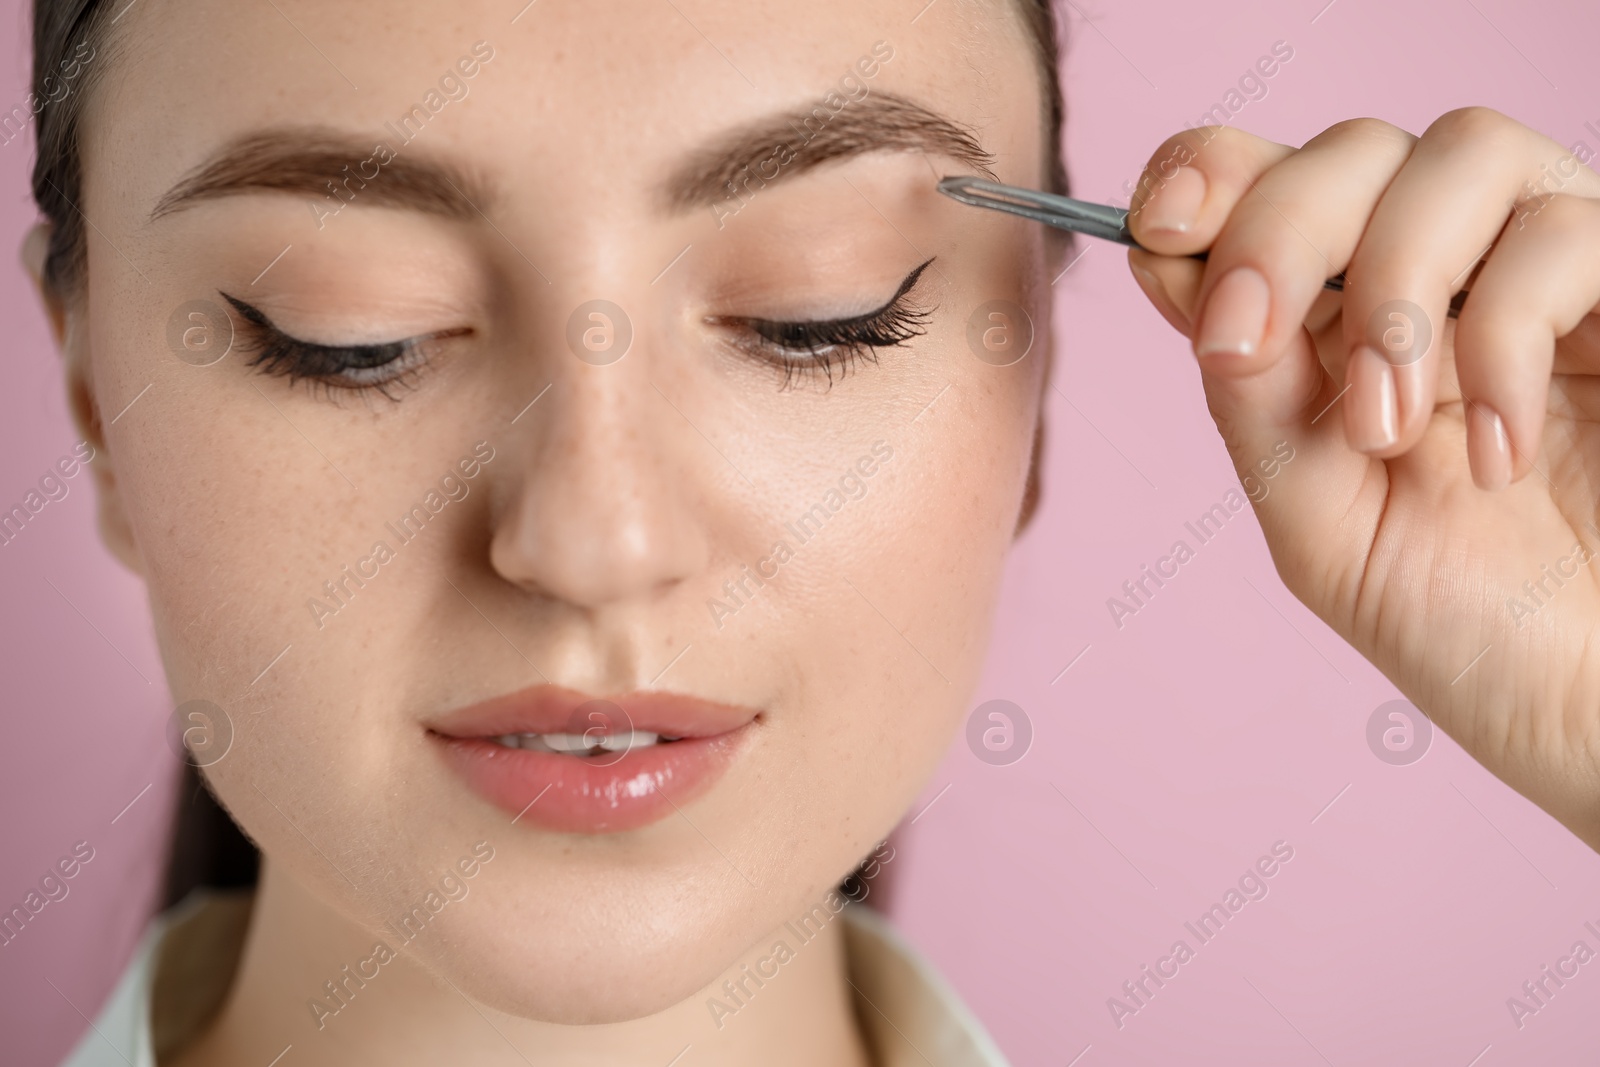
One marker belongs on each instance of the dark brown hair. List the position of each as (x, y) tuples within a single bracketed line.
[(207, 847), (61, 28)]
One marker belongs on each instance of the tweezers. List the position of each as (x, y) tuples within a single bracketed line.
[(1080, 216)]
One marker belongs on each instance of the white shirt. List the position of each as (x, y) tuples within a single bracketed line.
[(908, 1013)]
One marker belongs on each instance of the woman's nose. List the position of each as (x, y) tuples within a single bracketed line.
[(607, 507)]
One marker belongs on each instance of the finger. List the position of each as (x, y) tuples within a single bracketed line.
[(1579, 351), (1540, 283), (1312, 494), (1170, 283), (1254, 411), (1298, 226), (1192, 183), (1435, 220)]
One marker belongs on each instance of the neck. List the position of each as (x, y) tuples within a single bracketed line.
[(405, 1015)]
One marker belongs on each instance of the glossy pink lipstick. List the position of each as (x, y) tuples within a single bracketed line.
[(570, 762)]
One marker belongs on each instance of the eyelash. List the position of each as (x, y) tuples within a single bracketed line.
[(827, 344), (831, 344)]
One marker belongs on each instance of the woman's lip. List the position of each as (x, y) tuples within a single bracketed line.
[(607, 792), (587, 795), (549, 709)]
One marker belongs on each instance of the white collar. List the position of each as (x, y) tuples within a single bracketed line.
[(908, 1012)]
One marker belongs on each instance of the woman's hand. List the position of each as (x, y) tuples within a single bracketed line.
[(1441, 511)]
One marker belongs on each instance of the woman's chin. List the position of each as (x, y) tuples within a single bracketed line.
[(578, 975)]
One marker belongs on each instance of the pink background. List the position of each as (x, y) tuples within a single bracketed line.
[(1220, 719)]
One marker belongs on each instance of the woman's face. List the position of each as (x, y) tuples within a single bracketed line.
[(804, 546)]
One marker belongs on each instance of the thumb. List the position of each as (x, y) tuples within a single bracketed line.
[(1274, 411)]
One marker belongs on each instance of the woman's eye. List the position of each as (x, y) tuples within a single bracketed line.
[(379, 366), (820, 346)]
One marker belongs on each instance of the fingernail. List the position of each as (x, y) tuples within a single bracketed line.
[(1176, 204), (1156, 290), (1235, 315), (1488, 447), (1372, 411)]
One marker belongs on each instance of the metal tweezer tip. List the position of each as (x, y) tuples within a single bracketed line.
[(1062, 212)]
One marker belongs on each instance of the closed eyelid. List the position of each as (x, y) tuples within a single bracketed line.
[(864, 317), (368, 367), (905, 287), (256, 317), (823, 346)]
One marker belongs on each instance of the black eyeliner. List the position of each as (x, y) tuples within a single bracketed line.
[(278, 354)]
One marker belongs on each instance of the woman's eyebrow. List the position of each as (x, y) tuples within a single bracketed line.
[(327, 163), (881, 121)]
